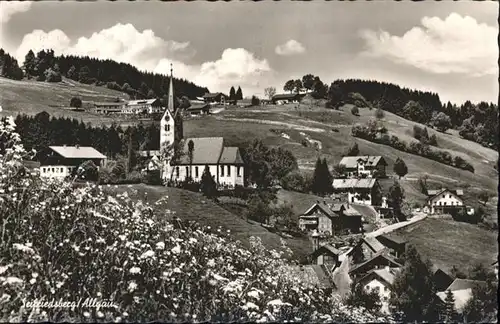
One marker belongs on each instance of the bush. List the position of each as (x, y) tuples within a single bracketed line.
[(52, 76), (296, 181), (75, 102), (379, 114), (153, 178), (355, 111)]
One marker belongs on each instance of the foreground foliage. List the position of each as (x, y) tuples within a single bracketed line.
[(59, 242)]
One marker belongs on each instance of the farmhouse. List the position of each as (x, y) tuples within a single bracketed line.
[(330, 218), (244, 103), (108, 107), (148, 106), (326, 255), (215, 98), (225, 163), (380, 280), (364, 166), (197, 109), (366, 249), (377, 261), (360, 191), (60, 161), (281, 99), (462, 292), (395, 243), (444, 200)]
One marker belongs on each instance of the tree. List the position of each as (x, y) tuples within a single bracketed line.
[(413, 294), (297, 85), (414, 111), (75, 102), (479, 272), (239, 94), (400, 168), (322, 179), (190, 156), (483, 197), (255, 101), (441, 121), (339, 171), (483, 305), (151, 94), (395, 199), (83, 75), (319, 89), (335, 96), (87, 170), (450, 314), (355, 111), (360, 297), (30, 64), (71, 74), (232, 94), (269, 92), (379, 114), (353, 150), (208, 186), (308, 81), (289, 86)]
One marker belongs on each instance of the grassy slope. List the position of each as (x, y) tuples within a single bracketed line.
[(447, 243), (31, 97), (193, 206)]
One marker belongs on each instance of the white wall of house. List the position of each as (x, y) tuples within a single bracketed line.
[(354, 199), (228, 174), (384, 293), (56, 171), (231, 175), (445, 199)]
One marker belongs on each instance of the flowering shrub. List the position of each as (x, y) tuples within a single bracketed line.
[(65, 242)]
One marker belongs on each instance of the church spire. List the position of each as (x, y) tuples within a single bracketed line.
[(170, 103)]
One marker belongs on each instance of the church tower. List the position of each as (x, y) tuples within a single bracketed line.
[(168, 127)]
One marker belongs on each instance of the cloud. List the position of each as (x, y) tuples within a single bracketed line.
[(292, 47), (454, 45), (10, 8), (146, 51)]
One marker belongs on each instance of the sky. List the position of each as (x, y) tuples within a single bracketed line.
[(445, 47)]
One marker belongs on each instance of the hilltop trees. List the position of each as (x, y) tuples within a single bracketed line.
[(308, 81), (239, 94), (414, 111), (30, 64), (289, 86), (9, 67), (413, 294), (335, 96), (400, 168), (232, 94), (441, 121)]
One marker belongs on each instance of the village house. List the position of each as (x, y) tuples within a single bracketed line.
[(215, 98), (364, 166), (396, 244), (380, 280), (441, 279), (60, 161), (145, 106), (330, 218), (197, 109), (377, 261), (365, 249), (281, 99), (247, 102), (462, 292), (444, 201), (225, 163), (360, 191), (326, 255), (108, 107)]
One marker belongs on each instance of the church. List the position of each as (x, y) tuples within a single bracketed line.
[(225, 163)]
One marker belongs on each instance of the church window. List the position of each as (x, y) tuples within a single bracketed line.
[(187, 171), (221, 170), (239, 171), (196, 172), (228, 170), (167, 128), (176, 172)]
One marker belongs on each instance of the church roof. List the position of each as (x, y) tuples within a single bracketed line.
[(77, 152), (231, 155), (207, 150)]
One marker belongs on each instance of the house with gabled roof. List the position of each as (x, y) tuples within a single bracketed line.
[(380, 281), (217, 97), (395, 243), (364, 166), (143, 106), (61, 161), (359, 191), (377, 261), (462, 292), (329, 218), (281, 99), (365, 249), (444, 201), (326, 255), (225, 163)]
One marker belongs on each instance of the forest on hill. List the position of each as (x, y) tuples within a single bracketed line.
[(45, 66)]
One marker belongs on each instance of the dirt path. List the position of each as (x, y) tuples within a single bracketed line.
[(390, 228)]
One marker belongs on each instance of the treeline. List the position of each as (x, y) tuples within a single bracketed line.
[(45, 66), (371, 132), (9, 68)]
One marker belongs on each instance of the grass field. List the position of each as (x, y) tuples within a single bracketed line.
[(193, 206), (447, 243)]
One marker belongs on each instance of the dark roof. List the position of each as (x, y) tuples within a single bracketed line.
[(369, 160), (393, 238), (213, 95), (207, 150), (198, 106), (382, 254), (460, 284), (231, 155), (285, 96), (435, 192), (331, 210), (326, 248), (366, 211), (387, 275)]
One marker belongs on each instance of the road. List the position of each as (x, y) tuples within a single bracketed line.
[(387, 229)]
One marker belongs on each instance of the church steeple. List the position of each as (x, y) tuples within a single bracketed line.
[(170, 103)]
